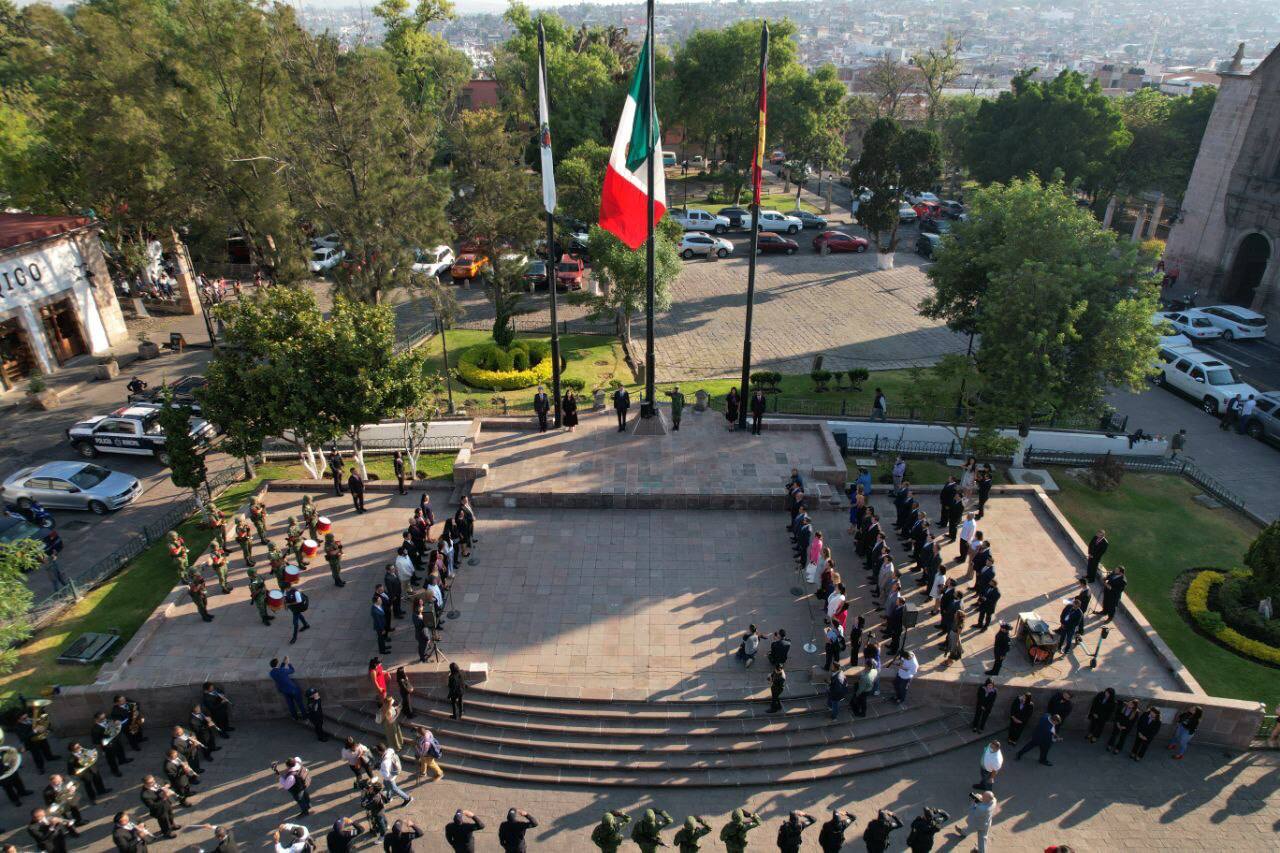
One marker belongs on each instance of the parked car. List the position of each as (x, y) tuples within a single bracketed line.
[(133, 430), (580, 245), (696, 160), (838, 241), (1202, 377), (777, 157), (13, 529), (535, 274), (1264, 423), (934, 226), (927, 245), (468, 266), (1188, 323), (569, 273), (767, 241), (693, 219), (323, 260), (434, 262), (1234, 321), (907, 214), (917, 198), (927, 209), (182, 391), (72, 485), (951, 209), (739, 217), (772, 220), (328, 241), (668, 159), (702, 243), (809, 220)]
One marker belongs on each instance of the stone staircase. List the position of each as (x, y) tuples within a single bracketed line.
[(546, 741)]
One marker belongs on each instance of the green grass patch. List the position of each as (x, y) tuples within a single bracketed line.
[(432, 466), (1157, 531), (893, 382), (921, 472), (121, 604)]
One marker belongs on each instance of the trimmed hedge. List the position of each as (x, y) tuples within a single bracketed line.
[(1234, 597), (1210, 621), (524, 364)]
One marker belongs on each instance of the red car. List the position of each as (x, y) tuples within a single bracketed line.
[(928, 210), (569, 273), (837, 241), (767, 241)]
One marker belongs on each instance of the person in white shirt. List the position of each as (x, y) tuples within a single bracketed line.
[(389, 769), (992, 761), (899, 472), (404, 569), (433, 590), (968, 528), (358, 758), (834, 601), (295, 834), (907, 667)]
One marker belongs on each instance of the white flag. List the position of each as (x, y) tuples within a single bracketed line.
[(544, 131)]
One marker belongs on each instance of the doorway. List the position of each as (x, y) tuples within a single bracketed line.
[(1247, 270), (63, 330), (17, 361)]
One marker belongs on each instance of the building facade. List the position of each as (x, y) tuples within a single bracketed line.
[(1228, 239), (57, 302)]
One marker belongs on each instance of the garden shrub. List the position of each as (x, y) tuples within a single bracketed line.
[(1105, 473), (857, 375), (489, 366), (1238, 604), (1211, 622), (575, 383), (519, 359)]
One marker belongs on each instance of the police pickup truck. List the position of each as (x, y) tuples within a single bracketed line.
[(133, 430)]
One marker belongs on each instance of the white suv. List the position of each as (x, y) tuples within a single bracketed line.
[(772, 220), (1234, 321), (701, 220), (1202, 377), (701, 243), (434, 262)]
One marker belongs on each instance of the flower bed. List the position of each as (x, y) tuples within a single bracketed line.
[(1198, 595), (524, 364)]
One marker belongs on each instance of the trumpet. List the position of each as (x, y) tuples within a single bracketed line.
[(10, 761)]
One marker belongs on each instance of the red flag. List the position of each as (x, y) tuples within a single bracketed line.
[(757, 167)]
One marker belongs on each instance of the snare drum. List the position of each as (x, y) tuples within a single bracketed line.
[(292, 575), (310, 547), (275, 599), (323, 525)]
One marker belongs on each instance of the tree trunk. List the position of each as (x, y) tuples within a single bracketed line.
[(247, 463), (884, 259), (357, 449), (314, 466)]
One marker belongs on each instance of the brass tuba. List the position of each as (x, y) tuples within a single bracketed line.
[(10, 761), (39, 718)]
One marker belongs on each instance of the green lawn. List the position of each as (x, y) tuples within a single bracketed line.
[(923, 472), (893, 382), (121, 604), (434, 466), (1156, 532)]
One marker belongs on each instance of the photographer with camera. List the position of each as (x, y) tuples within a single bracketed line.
[(924, 828), (295, 779), (876, 835), (374, 802), (981, 812)]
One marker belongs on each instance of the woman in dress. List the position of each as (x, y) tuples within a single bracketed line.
[(969, 477), (570, 404), (954, 645), (457, 686), (378, 677), (731, 404), (389, 716), (1188, 722), (406, 691)]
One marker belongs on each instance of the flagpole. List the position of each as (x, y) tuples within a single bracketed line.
[(648, 407), (551, 262), (757, 178)]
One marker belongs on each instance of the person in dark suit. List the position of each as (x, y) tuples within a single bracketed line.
[(37, 746), (335, 471), (621, 402), (63, 791), (110, 747), (401, 837), (984, 489), (224, 841), (459, 833), (955, 516), (159, 804), (987, 604), (1060, 705), (985, 702), (541, 406), (395, 590), (315, 714), (1145, 732), (218, 706), (129, 837), (49, 833), (1020, 711), (779, 649), (1101, 709), (1069, 622), (1097, 547), (1044, 737), (356, 486), (180, 774), (1125, 719), (944, 499), (1112, 588), (381, 625), (512, 830), (1000, 650), (397, 462), (757, 411)]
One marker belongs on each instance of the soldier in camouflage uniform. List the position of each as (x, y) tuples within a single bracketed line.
[(647, 833), (258, 515), (734, 833), (244, 538), (178, 553), (694, 828), (310, 516), (196, 589), (333, 554), (258, 595), (608, 833), (278, 563), (217, 521), (218, 562), (293, 542)]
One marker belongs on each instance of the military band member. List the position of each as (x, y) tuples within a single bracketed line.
[(310, 516), (244, 538), (180, 775), (734, 833), (107, 742), (179, 553), (81, 765), (188, 747), (159, 800), (34, 738), (49, 833), (218, 562), (129, 837), (199, 595), (12, 783), (204, 729), (63, 796), (258, 595), (130, 718), (218, 706), (217, 521), (258, 515), (278, 562), (333, 555), (293, 542)]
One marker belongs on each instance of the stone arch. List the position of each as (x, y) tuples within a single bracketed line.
[(1248, 270)]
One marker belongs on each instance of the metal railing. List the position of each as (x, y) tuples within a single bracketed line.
[(276, 448), (842, 408), (47, 609), (542, 325)]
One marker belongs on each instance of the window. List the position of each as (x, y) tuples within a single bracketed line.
[(90, 476), (38, 483), (1197, 374), (1184, 366), (57, 485), (1265, 405), (1222, 376), (116, 428), (1200, 323)]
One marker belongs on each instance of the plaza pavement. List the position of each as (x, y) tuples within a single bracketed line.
[(1096, 802)]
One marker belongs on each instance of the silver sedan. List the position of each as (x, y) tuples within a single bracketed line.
[(72, 485)]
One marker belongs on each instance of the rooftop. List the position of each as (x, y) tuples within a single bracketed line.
[(19, 228)]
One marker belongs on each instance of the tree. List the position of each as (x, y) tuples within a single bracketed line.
[(1263, 558), (495, 207), (415, 420), (622, 274), (893, 161), (939, 68), (1061, 306), (1065, 127), (889, 81), (1166, 133), (186, 461), (810, 117), (16, 560), (580, 180), (431, 72)]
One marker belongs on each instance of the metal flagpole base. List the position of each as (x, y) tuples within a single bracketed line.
[(656, 425)]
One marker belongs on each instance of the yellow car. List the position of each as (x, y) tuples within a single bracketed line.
[(468, 266)]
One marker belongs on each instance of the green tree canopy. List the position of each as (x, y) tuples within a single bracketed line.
[(431, 72), (1166, 133), (809, 118), (1065, 127), (893, 162), (186, 461), (623, 274), (16, 560), (1263, 557), (1062, 307)]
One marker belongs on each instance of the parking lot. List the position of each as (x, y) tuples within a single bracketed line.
[(1256, 361)]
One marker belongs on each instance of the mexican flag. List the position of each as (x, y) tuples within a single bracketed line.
[(626, 188)]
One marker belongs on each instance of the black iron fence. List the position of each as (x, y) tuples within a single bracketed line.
[(1107, 422), (276, 448)]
